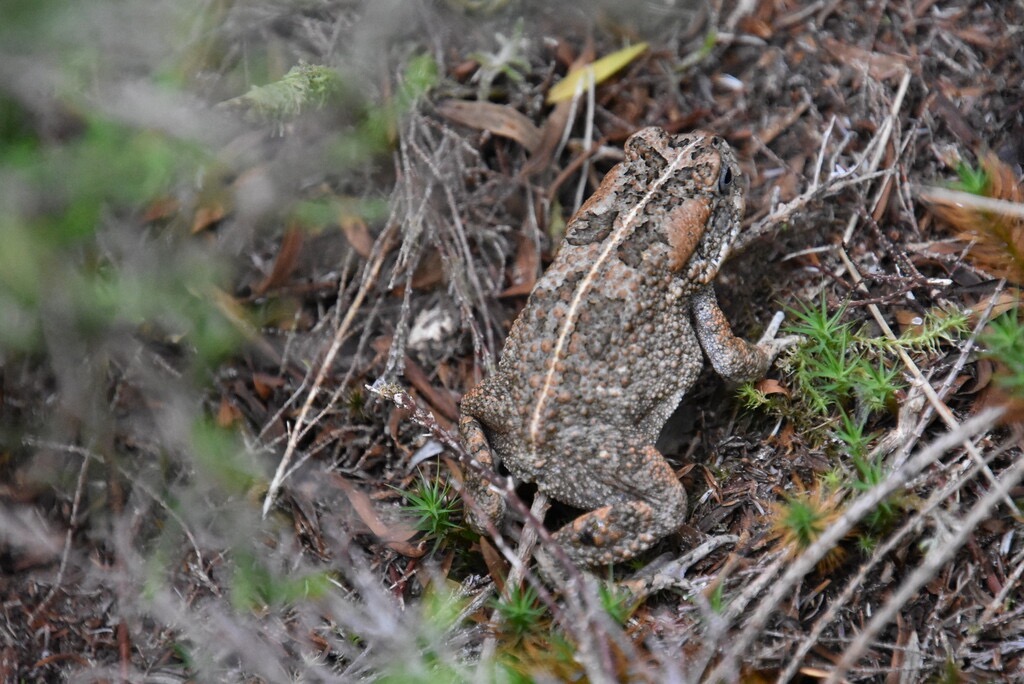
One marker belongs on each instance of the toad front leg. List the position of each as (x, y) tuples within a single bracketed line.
[(733, 358)]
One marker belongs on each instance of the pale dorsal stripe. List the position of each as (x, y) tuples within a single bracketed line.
[(615, 238)]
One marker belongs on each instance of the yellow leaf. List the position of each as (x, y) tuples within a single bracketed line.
[(601, 70)]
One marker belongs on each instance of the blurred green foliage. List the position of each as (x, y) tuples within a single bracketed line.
[(305, 86), (74, 246), (429, 659), (122, 311), (254, 586)]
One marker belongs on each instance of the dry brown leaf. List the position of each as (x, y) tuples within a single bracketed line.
[(908, 319), (216, 199), (497, 567), (284, 263), (882, 203), (499, 119), (551, 134), (712, 483), (395, 420), (768, 386), (357, 234), (976, 36), (524, 268), (439, 399), (756, 27), (228, 414), (1004, 301), (779, 124), (984, 371), (206, 216), (565, 52), (994, 396), (558, 119), (949, 114), (429, 271), (265, 384), (880, 66), (967, 92), (161, 208), (748, 676), (465, 69), (394, 536)]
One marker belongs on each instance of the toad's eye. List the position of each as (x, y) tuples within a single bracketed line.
[(725, 180)]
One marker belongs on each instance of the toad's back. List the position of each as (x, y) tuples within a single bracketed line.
[(606, 336)]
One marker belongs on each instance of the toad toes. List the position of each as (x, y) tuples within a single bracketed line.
[(609, 342)]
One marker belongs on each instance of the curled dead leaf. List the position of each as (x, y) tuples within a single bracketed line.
[(499, 119), (768, 386), (1005, 300), (880, 66), (228, 414), (429, 271), (497, 566), (284, 263), (265, 384), (984, 372), (161, 208), (357, 234), (395, 536), (206, 216), (524, 269)]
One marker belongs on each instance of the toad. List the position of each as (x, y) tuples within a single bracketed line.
[(614, 334)]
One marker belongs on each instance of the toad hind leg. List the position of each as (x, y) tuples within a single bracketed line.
[(619, 531), (488, 504)]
